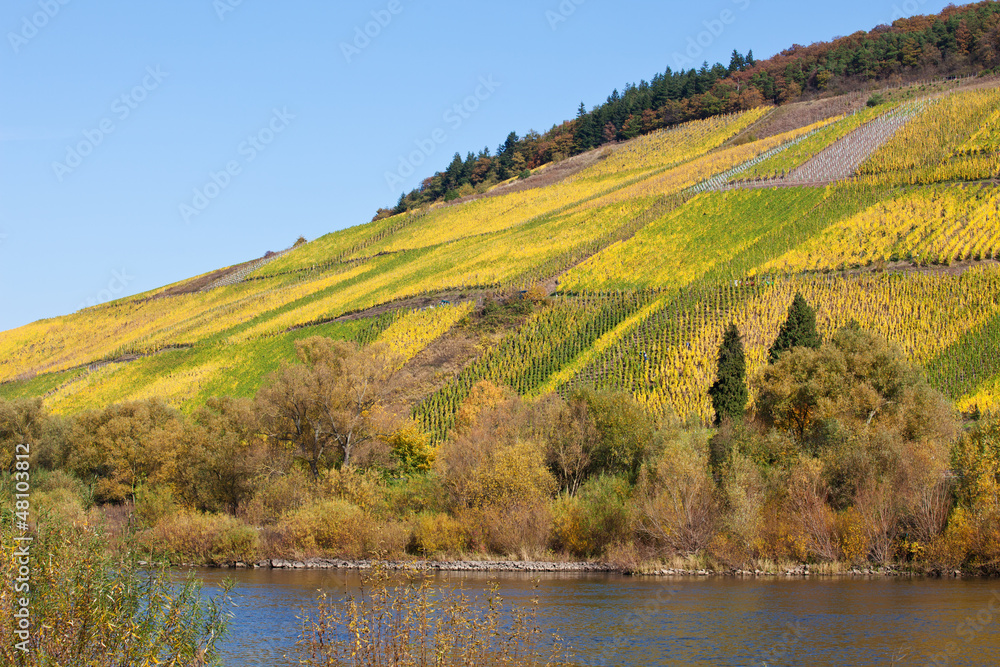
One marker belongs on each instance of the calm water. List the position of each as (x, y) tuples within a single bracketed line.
[(615, 620)]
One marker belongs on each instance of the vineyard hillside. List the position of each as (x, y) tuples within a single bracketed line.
[(620, 270)]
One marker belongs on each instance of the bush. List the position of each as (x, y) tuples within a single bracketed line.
[(746, 496), (511, 529), (364, 489), (852, 536), (875, 100), (973, 534), (809, 513), (676, 507), (338, 528), (326, 527), (60, 505), (438, 534), (598, 517), (276, 495), (524, 174), (89, 607), (416, 494), (201, 538), (625, 433), (411, 451), (153, 504)]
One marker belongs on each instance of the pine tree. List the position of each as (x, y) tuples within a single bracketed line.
[(736, 62), (799, 330), (729, 393)]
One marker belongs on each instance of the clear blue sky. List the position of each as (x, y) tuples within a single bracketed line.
[(161, 95)]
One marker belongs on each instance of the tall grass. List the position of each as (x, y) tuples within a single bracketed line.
[(411, 622), (90, 607)]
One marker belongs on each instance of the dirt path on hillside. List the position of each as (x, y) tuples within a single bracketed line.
[(433, 367), (953, 269)]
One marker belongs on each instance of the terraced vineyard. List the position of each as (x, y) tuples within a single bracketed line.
[(668, 362), (647, 253)]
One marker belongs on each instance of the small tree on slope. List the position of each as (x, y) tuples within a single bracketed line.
[(799, 330), (729, 393)]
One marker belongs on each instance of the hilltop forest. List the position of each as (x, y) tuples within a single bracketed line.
[(957, 42)]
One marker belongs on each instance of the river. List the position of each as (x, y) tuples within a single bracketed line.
[(620, 620)]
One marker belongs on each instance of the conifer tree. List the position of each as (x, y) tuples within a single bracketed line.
[(799, 330), (729, 393)]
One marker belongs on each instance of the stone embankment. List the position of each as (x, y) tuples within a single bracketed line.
[(512, 566), (432, 565)]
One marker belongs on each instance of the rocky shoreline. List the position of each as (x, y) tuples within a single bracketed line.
[(429, 565), (512, 566)]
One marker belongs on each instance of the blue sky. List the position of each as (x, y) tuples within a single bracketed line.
[(142, 143)]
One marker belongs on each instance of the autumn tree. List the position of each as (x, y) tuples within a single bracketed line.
[(493, 469), (676, 502), (857, 403), (330, 407), (570, 437), (21, 423), (492, 423), (624, 432), (729, 392), (223, 452), (124, 446)]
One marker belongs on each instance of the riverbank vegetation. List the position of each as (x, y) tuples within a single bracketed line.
[(838, 452), (89, 605), (393, 621)]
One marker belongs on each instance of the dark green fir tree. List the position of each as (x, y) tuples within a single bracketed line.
[(729, 393), (799, 330)]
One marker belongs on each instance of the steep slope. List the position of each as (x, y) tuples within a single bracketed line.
[(645, 263)]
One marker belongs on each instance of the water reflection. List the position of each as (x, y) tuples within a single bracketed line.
[(615, 620)]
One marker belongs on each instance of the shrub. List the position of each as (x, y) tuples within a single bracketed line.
[(416, 494), (326, 527), (364, 489), (60, 505), (276, 495), (438, 534), (852, 536), (676, 507), (153, 503), (745, 495), (598, 517), (338, 528), (89, 607), (411, 451), (514, 529), (973, 533), (200, 538), (625, 432), (811, 518)]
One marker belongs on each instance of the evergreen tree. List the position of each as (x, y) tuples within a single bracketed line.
[(736, 62), (729, 393), (799, 330)]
